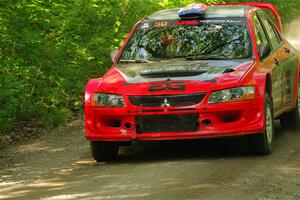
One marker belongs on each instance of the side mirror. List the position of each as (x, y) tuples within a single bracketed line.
[(263, 50), (113, 54)]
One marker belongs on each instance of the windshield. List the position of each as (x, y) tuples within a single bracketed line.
[(225, 38)]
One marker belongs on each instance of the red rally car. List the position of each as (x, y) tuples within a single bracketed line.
[(201, 71)]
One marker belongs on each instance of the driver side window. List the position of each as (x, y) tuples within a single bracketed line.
[(260, 35), (271, 32)]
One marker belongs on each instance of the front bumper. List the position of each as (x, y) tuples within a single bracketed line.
[(215, 120)]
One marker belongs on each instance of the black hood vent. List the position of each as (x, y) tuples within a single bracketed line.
[(169, 73)]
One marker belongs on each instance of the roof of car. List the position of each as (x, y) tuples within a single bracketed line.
[(211, 12)]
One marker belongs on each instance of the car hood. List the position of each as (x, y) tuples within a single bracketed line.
[(174, 76)]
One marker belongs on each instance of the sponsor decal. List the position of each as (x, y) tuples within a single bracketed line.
[(168, 85), (145, 25)]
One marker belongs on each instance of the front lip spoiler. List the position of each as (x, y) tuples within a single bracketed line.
[(172, 136)]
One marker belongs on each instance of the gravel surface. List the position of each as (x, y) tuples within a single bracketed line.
[(58, 165)]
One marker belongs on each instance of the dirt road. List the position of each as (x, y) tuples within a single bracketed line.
[(58, 166)]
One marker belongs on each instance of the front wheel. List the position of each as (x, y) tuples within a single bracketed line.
[(262, 143), (104, 151)]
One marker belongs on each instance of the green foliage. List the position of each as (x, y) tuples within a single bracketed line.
[(49, 49)]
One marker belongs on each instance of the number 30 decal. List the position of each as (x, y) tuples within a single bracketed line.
[(160, 24)]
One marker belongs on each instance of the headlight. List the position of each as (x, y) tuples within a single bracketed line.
[(233, 94), (107, 100)]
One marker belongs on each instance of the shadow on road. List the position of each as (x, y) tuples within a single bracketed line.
[(189, 149), (174, 150)]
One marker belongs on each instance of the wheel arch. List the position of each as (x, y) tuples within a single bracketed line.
[(263, 82), (268, 85)]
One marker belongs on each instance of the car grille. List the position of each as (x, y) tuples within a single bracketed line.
[(167, 123), (172, 100)]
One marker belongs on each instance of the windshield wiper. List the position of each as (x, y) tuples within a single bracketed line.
[(135, 61), (207, 53)]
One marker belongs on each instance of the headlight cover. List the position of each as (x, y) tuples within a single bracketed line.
[(107, 100), (232, 95)]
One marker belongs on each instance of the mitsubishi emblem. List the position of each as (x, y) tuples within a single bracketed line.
[(165, 103)]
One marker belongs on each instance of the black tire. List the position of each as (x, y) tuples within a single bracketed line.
[(104, 151), (291, 120), (262, 143)]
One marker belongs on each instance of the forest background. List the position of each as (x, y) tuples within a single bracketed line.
[(50, 48)]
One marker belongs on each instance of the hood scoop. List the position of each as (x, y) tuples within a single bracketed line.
[(229, 70), (170, 73)]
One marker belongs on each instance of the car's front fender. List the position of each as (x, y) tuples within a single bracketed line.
[(92, 86)]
